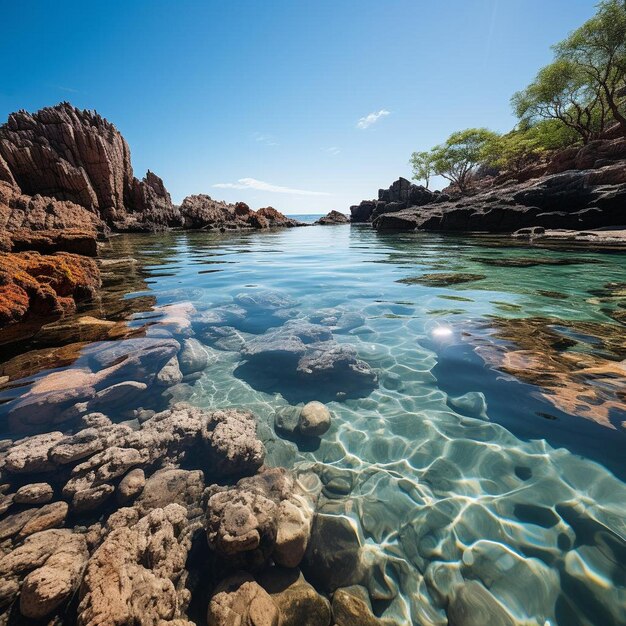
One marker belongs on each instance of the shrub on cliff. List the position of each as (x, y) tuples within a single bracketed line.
[(457, 158)]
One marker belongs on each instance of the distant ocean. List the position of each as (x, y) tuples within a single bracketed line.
[(308, 218)]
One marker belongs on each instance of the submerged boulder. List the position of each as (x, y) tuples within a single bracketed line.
[(138, 573), (240, 600), (45, 569), (269, 514), (300, 357)]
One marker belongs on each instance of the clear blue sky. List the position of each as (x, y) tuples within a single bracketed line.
[(271, 92)]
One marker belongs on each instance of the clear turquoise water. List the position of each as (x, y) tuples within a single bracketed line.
[(472, 507)]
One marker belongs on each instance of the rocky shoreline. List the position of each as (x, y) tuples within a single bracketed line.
[(66, 182), (127, 506), (577, 189)]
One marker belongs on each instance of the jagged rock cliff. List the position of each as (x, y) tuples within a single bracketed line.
[(400, 195), (69, 154), (66, 168), (578, 188)]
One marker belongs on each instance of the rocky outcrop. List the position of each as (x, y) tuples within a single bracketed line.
[(19, 211), (333, 218), (575, 199), (267, 515), (138, 575), (201, 211), (63, 167), (36, 288), (577, 189), (399, 196), (75, 155)]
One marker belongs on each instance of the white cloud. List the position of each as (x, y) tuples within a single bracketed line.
[(334, 150), (268, 140), (259, 185), (372, 118)]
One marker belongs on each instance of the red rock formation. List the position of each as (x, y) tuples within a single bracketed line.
[(201, 211), (276, 218), (20, 211), (35, 289), (66, 168), (76, 155)]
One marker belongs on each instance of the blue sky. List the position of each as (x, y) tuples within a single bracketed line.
[(262, 101)]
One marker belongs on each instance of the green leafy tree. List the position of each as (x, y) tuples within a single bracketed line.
[(598, 51), (515, 150), (458, 157), (423, 167), (562, 91)]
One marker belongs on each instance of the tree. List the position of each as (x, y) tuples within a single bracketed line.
[(598, 50), (457, 158), (562, 91), (422, 163), (515, 150)]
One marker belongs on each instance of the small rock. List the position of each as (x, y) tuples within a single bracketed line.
[(170, 374), (119, 393), (332, 557), (241, 601), (48, 516), (314, 419), (131, 485), (193, 357), (297, 600), (352, 607), (36, 493)]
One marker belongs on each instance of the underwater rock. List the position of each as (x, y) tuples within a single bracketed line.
[(35, 493), (62, 395), (473, 605), (138, 573), (233, 445), (352, 607), (240, 600), (193, 357), (441, 279), (298, 602), (170, 374), (265, 515), (314, 419), (131, 485), (311, 420), (117, 394), (47, 567), (300, 353), (332, 557)]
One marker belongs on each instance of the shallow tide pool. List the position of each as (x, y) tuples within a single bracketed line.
[(484, 468)]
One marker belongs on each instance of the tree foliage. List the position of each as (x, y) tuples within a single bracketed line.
[(572, 99), (457, 158), (561, 91), (423, 167), (598, 50)]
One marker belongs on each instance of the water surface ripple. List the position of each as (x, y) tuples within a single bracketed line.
[(484, 470)]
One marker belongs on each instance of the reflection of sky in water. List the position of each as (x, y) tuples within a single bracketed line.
[(462, 492)]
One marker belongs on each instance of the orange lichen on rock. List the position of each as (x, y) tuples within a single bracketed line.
[(36, 287)]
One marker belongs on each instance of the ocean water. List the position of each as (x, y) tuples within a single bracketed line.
[(484, 469)]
